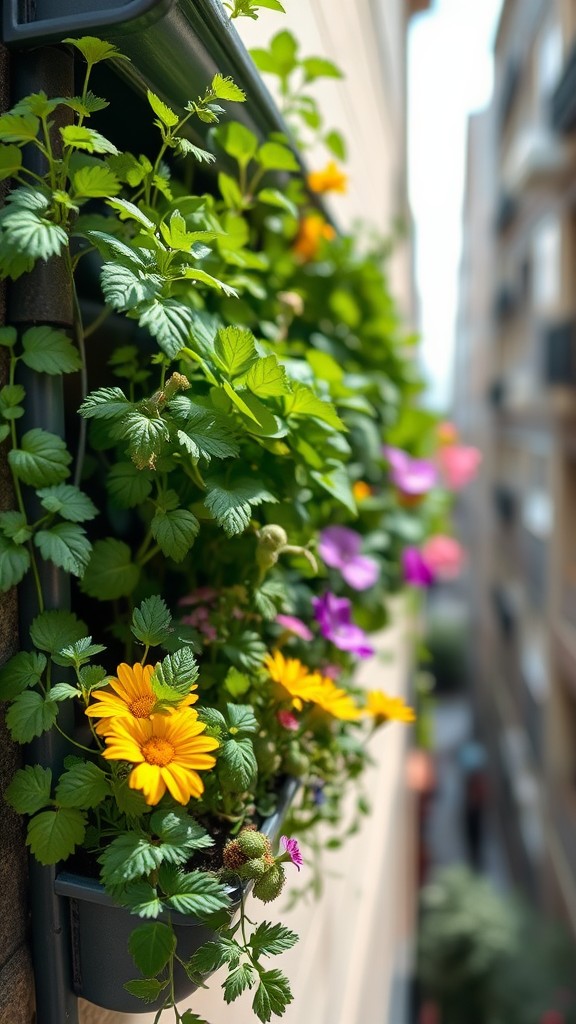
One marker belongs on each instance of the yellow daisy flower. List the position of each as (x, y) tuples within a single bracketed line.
[(166, 750), (129, 695), (298, 683), (329, 179), (335, 701), (313, 230), (384, 708)]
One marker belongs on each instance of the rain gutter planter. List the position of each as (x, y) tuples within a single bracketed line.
[(100, 930)]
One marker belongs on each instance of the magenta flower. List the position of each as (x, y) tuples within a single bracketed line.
[(414, 477), (288, 720), (339, 548), (295, 625), (293, 850), (202, 595), (334, 614), (415, 569), (458, 465)]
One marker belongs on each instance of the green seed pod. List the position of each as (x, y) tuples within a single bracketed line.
[(295, 762), (253, 844), (270, 885), (254, 868)]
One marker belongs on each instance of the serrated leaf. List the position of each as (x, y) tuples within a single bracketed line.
[(53, 630), (49, 351), (151, 947), (30, 789), (202, 436), (14, 563), (42, 459), (30, 714), (23, 670), (151, 621), (105, 403), (180, 835), (69, 502), (212, 955), (89, 104), (54, 835), (95, 182), (10, 161), (232, 506), (30, 235), (162, 111), (226, 89), (146, 435), (129, 211), (85, 785), (16, 127), (110, 573), (146, 989), (237, 766), (236, 683), (247, 651), (234, 350), (237, 140), (64, 691), (131, 802), (129, 856), (186, 148), (127, 485), (267, 378), (175, 531), (87, 139), (241, 718), (176, 673), (303, 402), (170, 322), (275, 157), (13, 525), (273, 995), (126, 288), (273, 197), (319, 67), (337, 482), (66, 545), (95, 50), (272, 939), (141, 898), (195, 892), (238, 981), (80, 651), (214, 719)]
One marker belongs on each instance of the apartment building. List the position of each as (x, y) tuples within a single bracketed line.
[(515, 397)]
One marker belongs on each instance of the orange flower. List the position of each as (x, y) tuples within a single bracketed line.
[(447, 433), (361, 490), (312, 232), (330, 179)]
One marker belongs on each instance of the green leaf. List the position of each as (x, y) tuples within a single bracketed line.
[(186, 148), (53, 630), (85, 785), (10, 161), (247, 651), (64, 691), (212, 955), (147, 436), (105, 403), (49, 351), (232, 506), (29, 234), (80, 137), (229, 190), (237, 766), (241, 718), (272, 939), (130, 801), (203, 434), (95, 182), (319, 67), (13, 525), (238, 981), (147, 989), (151, 947), (30, 789), (14, 563), (127, 485), (281, 59), (170, 322), (66, 545), (23, 670), (175, 532), (54, 835), (234, 350), (79, 652), (267, 378), (129, 856), (110, 572), (141, 898), (303, 402), (195, 892), (89, 104), (94, 50), (338, 484), (180, 834), (69, 502), (30, 715), (151, 621), (272, 995), (41, 460), (125, 288), (11, 397), (129, 211), (237, 140), (8, 337), (336, 144), (226, 89), (274, 157), (236, 683), (239, 402), (18, 127), (165, 115), (273, 197), (176, 673)]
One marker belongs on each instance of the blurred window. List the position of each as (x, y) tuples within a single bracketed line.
[(546, 248), (548, 57)]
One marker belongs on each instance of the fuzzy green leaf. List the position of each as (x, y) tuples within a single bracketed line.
[(30, 789), (151, 947), (176, 673), (94, 50), (237, 767), (130, 801), (54, 835), (247, 651), (267, 378), (195, 892), (175, 532), (80, 652), (105, 403), (146, 989), (151, 621), (146, 435), (241, 718), (49, 351), (18, 127), (129, 211), (127, 485), (14, 563), (186, 148), (272, 939), (85, 785), (170, 322), (202, 434), (67, 545), (95, 182), (226, 89), (234, 350), (69, 502), (110, 572), (141, 898), (30, 714), (303, 402), (180, 835), (10, 161), (53, 630), (272, 995), (125, 288), (129, 856), (42, 459), (23, 670), (232, 506), (80, 137), (238, 981), (64, 691), (163, 112), (13, 525), (30, 235)]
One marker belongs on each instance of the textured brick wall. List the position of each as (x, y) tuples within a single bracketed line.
[(16, 983)]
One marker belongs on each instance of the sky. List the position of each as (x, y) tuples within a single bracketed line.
[(450, 71)]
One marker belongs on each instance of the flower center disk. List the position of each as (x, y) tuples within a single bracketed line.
[(142, 706), (158, 751)]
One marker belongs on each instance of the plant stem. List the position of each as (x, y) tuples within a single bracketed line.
[(79, 334), (89, 750), (97, 322)]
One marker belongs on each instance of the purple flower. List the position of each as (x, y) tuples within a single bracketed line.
[(295, 625), (340, 547), (293, 850), (411, 476), (416, 570), (335, 617)]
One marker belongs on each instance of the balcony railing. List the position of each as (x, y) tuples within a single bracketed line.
[(563, 105), (559, 354), (536, 157)]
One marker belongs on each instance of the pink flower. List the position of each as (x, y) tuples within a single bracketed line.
[(207, 594), (444, 556), (295, 625), (288, 720), (331, 671), (458, 465), (340, 547), (293, 850), (413, 477), (415, 569)]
